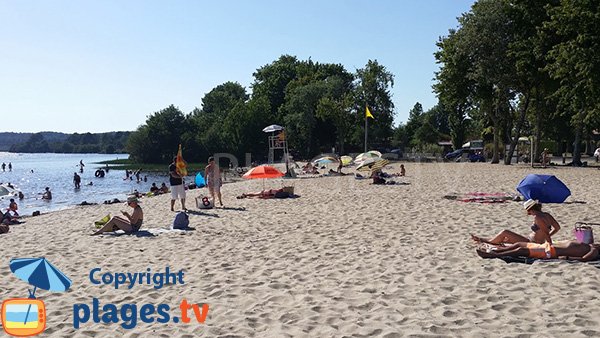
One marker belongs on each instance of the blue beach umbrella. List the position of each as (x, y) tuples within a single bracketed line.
[(41, 274), (200, 181), (544, 188)]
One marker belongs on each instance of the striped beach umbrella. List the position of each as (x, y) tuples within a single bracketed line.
[(372, 164), (326, 159), (367, 155)]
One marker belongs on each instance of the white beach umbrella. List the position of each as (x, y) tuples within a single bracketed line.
[(272, 128)]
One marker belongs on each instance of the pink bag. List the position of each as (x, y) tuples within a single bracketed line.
[(583, 232)]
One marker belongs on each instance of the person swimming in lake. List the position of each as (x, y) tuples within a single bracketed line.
[(47, 195), (543, 228)]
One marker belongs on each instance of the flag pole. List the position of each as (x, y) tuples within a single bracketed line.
[(366, 130)]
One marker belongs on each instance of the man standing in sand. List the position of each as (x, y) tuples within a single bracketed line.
[(213, 179), (177, 187)]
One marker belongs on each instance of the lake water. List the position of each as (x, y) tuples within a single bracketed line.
[(31, 173)]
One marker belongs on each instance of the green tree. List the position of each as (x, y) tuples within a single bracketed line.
[(158, 140), (454, 86), (373, 88), (575, 62), (271, 81), (415, 121)]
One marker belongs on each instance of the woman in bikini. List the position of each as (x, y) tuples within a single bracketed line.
[(269, 193), (543, 228), (567, 249)]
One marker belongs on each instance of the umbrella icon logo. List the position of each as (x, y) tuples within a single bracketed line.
[(24, 317)]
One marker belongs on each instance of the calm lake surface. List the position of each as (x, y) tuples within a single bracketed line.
[(31, 173)]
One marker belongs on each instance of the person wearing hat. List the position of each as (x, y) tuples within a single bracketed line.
[(543, 228), (130, 224)]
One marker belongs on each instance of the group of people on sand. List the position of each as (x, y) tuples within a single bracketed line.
[(156, 190), (380, 177), (538, 244), (131, 223)]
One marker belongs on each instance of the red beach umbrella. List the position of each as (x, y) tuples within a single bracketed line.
[(263, 171)]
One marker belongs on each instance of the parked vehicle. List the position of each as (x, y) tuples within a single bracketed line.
[(476, 157), (454, 154)]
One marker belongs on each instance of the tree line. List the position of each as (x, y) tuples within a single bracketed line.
[(101, 143), (321, 105), (523, 67), (510, 68)]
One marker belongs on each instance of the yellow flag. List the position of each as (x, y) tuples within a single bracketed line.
[(180, 165), (368, 113)]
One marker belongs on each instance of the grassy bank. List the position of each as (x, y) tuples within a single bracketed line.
[(126, 164)]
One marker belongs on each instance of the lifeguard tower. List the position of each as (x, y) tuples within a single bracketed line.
[(277, 141)]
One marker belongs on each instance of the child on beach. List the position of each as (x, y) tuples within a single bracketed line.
[(13, 207)]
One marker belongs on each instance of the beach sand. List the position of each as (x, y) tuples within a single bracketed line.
[(346, 259)]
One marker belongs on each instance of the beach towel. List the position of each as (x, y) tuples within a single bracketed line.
[(483, 197), (529, 260), (99, 223)]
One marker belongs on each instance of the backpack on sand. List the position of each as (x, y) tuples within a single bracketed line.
[(181, 221)]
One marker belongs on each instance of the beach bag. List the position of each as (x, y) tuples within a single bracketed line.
[(181, 221), (583, 232), (203, 202)]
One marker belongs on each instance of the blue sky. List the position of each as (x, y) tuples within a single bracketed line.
[(98, 66)]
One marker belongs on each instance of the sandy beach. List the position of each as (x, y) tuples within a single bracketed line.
[(345, 259)]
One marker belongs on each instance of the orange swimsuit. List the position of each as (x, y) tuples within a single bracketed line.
[(544, 251)]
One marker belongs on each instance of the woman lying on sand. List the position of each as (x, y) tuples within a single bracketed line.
[(568, 249), (543, 228), (269, 193), (133, 222)]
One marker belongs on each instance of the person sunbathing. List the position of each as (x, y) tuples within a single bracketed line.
[(131, 224), (543, 228), (377, 177), (568, 250), (269, 193)]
